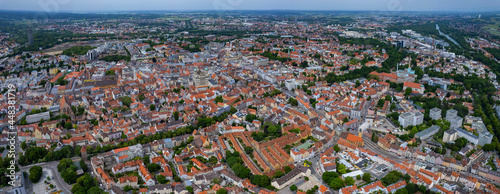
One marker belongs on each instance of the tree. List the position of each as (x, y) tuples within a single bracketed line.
[(128, 188), (68, 125), (293, 188), (341, 168), (69, 176), (95, 190), (349, 181), (357, 83), (260, 180), (221, 191), (152, 107), (408, 91), (374, 137), (393, 106), (153, 167), (388, 98), (250, 117), (83, 165), (278, 174), (380, 102), (287, 169), (336, 148), (35, 174), (219, 99), (304, 64), (392, 177), (190, 189), (24, 145), (248, 149), (162, 179), (336, 183), (176, 115), (213, 160), (367, 176), (345, 120)]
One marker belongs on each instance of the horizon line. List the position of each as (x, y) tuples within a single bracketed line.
[(233, 10)]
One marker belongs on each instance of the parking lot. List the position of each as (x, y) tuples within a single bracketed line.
[(302, 184), (41, 186)]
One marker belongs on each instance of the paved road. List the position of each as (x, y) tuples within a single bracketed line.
[(52, 166)]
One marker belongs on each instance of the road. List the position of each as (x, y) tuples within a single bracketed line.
[(52, 166)]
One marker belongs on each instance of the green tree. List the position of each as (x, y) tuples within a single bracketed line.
[(248, 149), (190, 189), (219, 99), (221, 191), (162, 179), (250, 117), (153, 167), (336, 148), (293, 188), (128, 188), (349, 181), (408, 91), (278, 174), (176, 115), (35, 174), (341, 168), (367, 176), (260, 180), (24, 145), (336, 183), (83, 166), (380, 102)]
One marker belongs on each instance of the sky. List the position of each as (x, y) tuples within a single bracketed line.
[(186, 5)]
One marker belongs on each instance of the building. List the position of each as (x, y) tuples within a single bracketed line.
[(429, 132), (297, 172), (497, 109), (291, 84), (37, 117), (200, 79), (414, 87), (456, 122), (450, 135), (406, 119), (435, 113), (351, 139), (483, 137), (450, 114), (128, 181), (411, 118)]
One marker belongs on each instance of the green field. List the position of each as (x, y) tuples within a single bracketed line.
[(493, 28)]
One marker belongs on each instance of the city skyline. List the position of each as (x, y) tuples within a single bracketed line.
[(323, 5)]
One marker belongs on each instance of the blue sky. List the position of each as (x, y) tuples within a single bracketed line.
[(377, 5)]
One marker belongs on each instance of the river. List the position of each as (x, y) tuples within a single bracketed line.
[(448, 37)]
